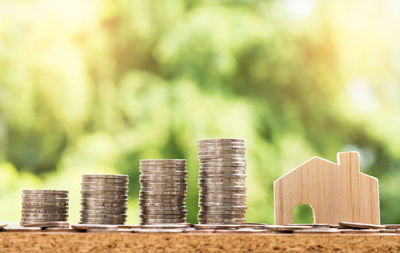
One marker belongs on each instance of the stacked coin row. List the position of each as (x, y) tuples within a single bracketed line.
[(40, 206), (222, 177), (163, 191), (104, 199)]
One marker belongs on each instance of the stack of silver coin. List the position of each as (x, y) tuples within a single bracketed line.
[(104, 199), (39, 206), (222, 178), (163, 191)]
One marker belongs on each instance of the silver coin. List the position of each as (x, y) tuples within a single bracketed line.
[(26, 223), (165, 185), (221, 190), (227, 181), (163, 169), (101, 207), (177, 174), (222, 173), (217, 147), (176, 202), (105, 181), (102, 215), (162, 206), (44, 204), (164, 216), (45, 211), (120, 192), (162, 177), (162, 192), (223, 208), (237, 161), (95, 220), (48, 200), (232, 213), (36, 217), (95, 212), (163, 212), (112, 176), (156, 221), (221, 221), (103, 195), (222, 153), (156, 197), (98, 191), (229, 166), (29, 200), (25, 199), (162, 181), (157, 206), (105, 186), (231, 169), (163, 161), (220, 156), (104, 221), (222, 187), (222, 204), (220, 216), (103, 204), (30, 191), (101, 220), (163, 164), (41, 195), (161, 195), (105, 199), (226, 201), (220, 140)]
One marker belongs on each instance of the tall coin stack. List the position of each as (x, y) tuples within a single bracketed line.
[(222, 178), (104, 199), (163, 191), (40, 206)]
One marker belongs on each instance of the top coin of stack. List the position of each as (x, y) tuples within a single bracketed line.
[(104, 199), (163, 191), (39, 206), (222, 177)]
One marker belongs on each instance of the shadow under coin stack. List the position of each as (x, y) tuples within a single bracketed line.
[(104, 199), (222, 178), (163, 191), (44, 206)]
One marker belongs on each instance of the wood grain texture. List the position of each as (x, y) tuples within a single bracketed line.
[(162, 242), (335, 192)]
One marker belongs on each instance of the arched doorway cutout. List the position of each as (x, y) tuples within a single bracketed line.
[(303, 214)]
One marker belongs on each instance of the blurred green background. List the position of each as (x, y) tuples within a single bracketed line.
[(94, 86)]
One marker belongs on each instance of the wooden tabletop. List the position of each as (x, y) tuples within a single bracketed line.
[(182, 242)]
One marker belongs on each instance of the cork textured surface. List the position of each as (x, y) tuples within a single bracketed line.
[(164, 242)]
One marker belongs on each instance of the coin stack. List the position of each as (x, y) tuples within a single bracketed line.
[(104, 199), (222, 178), (40, 206), (163, 191)]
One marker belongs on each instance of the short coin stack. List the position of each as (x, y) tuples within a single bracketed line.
[(104, 199), (222, 178), (163, 191), (42, 206)]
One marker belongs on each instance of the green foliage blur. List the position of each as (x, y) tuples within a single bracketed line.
[(94, 86)]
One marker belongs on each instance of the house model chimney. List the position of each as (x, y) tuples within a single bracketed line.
[(349, 161)]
